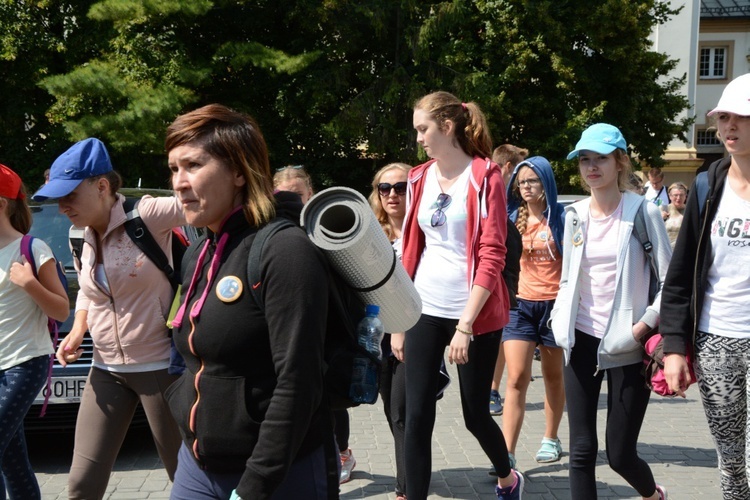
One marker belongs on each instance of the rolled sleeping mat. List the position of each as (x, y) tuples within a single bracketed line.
[(341, 223)]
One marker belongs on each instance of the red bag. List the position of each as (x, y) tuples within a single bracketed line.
[(654, 366)]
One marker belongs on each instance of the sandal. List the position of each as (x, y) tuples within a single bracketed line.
[(551, 451)]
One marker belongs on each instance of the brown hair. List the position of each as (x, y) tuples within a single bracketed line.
[(376, 204), (113, 178), (19, 212), (509, 153), (470, 124), (236, 140)]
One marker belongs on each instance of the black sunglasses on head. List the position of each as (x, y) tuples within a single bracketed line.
[(384, 188)]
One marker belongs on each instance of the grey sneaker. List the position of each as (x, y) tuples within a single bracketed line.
[(496, 403)]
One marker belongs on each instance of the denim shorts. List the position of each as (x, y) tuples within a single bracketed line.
[(529, 322)]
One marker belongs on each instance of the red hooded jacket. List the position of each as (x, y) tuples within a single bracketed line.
[(485, 230)]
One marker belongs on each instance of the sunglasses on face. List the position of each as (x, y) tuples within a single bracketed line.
[(384, 188), (438, 218)]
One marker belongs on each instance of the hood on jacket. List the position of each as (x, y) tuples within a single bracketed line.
[(555, 211)]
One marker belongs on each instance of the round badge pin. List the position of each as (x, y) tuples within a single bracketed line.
[(229, 288), (578, 238), (543, 236)]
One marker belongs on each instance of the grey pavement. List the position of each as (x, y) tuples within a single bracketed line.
[(674, 441)]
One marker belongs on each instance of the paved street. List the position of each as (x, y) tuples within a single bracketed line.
[(674, 441)]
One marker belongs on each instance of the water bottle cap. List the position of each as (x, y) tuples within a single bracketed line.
[(372, 310)]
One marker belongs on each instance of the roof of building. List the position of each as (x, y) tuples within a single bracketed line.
[(725, 8)]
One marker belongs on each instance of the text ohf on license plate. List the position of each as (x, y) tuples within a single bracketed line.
[(64, 390)]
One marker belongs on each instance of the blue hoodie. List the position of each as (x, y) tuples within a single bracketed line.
[(554, 212)]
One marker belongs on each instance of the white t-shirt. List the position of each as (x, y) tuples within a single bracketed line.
[(442, 276), (659, 198), (725, 306), (598, 273), (23, 324)]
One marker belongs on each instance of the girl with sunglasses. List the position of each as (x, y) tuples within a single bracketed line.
[(388, 201), (453, 247), (603, 310)]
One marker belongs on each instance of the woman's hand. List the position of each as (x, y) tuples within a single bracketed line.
[(397, 345), (21, 273), (677, 373), (458, 351), (68, 351)]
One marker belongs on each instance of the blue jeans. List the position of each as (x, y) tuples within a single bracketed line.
[(19, 386), (306, 479)]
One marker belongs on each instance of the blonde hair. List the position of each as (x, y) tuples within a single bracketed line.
[(678, 185), (623, 176), (470, 124), (523, 207), (236, 140), (376, 204), (291, 172)]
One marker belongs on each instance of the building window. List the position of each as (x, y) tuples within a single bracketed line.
[(713, 64), (706, 138)]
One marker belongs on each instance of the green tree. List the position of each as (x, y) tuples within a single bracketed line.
[(332, 83)]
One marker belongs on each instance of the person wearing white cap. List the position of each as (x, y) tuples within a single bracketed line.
[(707, 291), (123, 301), (602, 311)]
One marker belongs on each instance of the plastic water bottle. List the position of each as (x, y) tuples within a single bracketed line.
[(365, 372)]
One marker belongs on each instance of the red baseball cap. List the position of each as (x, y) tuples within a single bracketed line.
[(10, 184)]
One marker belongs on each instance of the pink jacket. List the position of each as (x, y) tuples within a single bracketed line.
[(486, 230), (128, 325)]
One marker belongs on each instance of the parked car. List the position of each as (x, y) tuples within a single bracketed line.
[(569, 199), (67, 383)]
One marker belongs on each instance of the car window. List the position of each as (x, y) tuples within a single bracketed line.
[(52, 227)]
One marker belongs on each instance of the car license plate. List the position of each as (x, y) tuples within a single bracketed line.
[(64, 390)]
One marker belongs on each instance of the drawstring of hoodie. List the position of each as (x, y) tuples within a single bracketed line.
[(195, 311)]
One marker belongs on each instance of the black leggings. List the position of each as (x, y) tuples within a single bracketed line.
[(423, 352), (627, 400), (393, 392)]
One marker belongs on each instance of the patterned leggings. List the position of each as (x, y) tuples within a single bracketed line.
[(19, 386), (722, 369)]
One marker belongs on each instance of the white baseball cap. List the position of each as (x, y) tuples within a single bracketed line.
[(735, 98)]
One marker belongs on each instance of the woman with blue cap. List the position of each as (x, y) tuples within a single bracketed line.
[(123, 301), (601, 312), (706, 293)]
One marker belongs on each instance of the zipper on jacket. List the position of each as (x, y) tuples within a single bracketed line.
[(109, 294), (696, 267)]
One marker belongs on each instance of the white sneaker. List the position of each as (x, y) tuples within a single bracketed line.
[(347, 465)]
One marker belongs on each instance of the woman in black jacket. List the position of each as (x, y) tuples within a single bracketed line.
[(704, 305), (249, 405)]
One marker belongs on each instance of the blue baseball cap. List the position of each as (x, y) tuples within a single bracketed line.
[(83, 160), (601, 138)]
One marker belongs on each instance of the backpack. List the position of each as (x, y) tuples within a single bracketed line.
[(512, 269), (52, 325), (653, 342), (144, 240), (345, 310)]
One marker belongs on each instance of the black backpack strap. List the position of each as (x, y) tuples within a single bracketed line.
[(256, 251), (641, 234), (143, 239)]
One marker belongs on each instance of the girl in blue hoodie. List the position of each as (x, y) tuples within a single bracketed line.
[(533, 207)]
